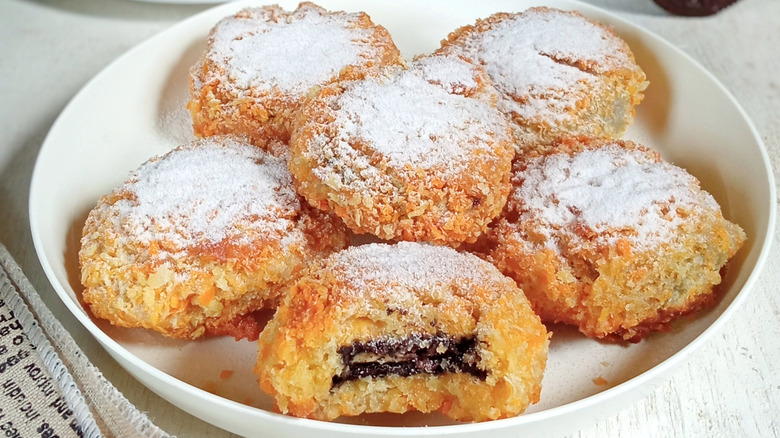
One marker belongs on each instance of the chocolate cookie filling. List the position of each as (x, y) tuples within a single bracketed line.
[(414, 354)]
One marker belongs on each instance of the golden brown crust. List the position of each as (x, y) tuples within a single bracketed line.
[(559, 74), (620, 280), (407, 155), (228, 96), (196, 252), (383, 293)]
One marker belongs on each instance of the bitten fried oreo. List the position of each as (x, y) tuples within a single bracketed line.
[(196, 239), (694, 8), (398, 328), (260, 64), (605, 235)]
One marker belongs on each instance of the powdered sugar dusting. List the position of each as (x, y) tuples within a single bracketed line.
[(546, 58), (406, 266), (205, 192), (292, 52), (407, 120), (571, 38), (606, 189), (454, 75)]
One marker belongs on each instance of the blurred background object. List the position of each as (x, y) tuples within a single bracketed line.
[(694, 8)]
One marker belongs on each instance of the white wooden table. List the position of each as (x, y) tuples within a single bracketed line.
[(730, 387)]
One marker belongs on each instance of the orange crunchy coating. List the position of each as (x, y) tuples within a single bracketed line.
[(325, 310), (205, 288), (604, 102), (219, 106), (412, 202), (618, 290)]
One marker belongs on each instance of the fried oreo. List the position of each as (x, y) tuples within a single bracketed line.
[(405, 327)]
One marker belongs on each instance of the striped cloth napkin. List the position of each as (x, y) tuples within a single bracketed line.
[(48, 387)]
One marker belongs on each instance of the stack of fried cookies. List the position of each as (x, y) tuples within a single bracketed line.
[(414, 223)]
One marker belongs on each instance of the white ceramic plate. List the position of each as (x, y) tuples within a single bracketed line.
[(134, 109)]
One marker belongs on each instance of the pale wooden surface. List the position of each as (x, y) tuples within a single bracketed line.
[(729, 388)]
